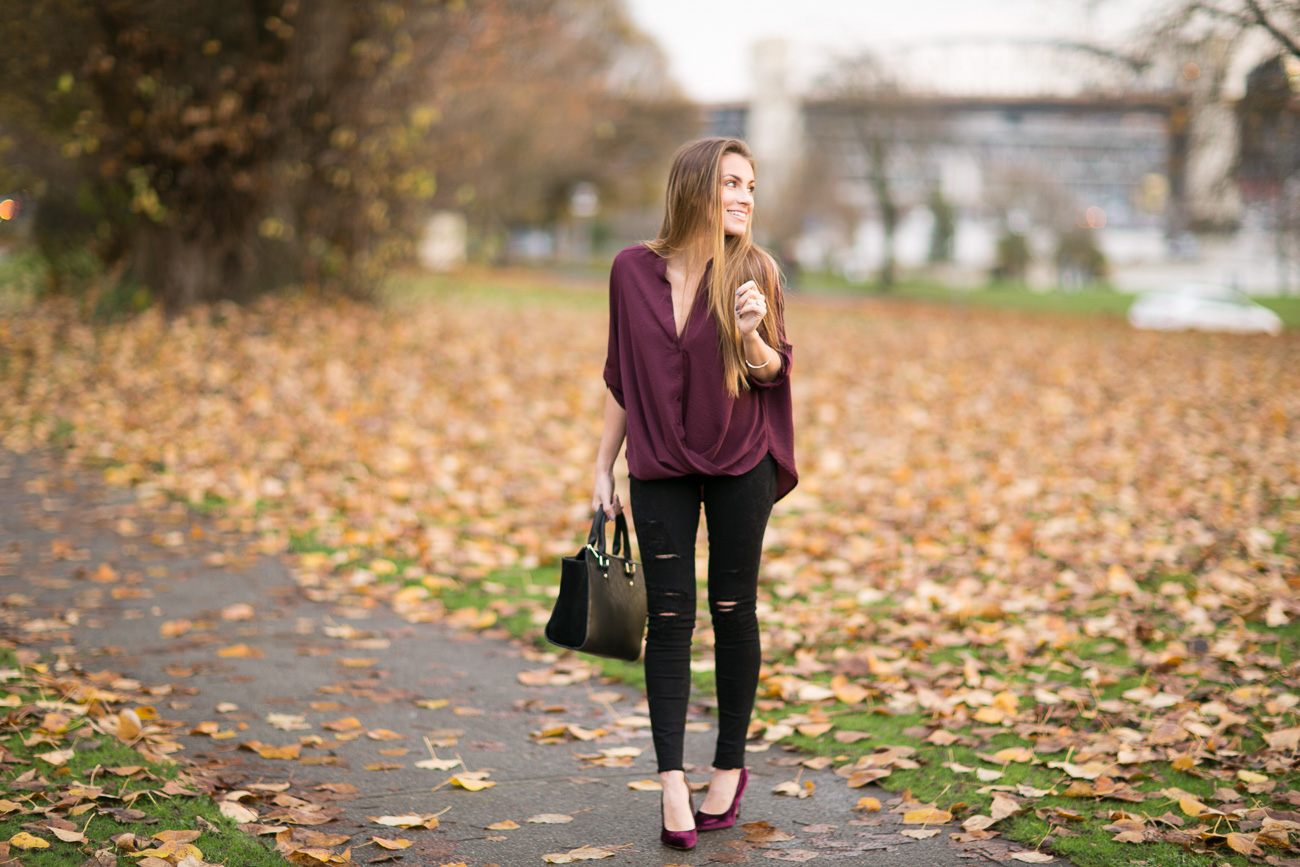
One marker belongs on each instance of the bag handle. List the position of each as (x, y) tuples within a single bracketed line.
[(596, 538)]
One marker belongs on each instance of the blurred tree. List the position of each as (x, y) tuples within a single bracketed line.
[(1268, 165), (864, 125), (538, 96), (219, 150), (1013, 257), (1079, 261), (1279, 19), (1199, 44), (944, 229)]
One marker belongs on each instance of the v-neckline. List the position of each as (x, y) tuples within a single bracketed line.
[(672, 307)]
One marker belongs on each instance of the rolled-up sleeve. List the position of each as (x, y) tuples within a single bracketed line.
[(613, 369), (783, 376)]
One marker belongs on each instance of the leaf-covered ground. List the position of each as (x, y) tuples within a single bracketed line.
[(1030, 558)]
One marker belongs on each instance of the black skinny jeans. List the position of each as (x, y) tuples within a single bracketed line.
[(667, 515)]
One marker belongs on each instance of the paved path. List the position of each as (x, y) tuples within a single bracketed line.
[(103, 579)]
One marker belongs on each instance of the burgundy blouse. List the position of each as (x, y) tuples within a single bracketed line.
[(680, 418)]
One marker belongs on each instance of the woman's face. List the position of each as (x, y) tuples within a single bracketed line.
[(737, 193)]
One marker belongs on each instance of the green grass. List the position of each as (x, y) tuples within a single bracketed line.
[(966, 796), (23, 277), (584, 289), (1084, 842), (1287, 308), (512, 288), (1102, 300), (95, 752)]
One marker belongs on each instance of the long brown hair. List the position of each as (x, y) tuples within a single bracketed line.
[(693, 210)]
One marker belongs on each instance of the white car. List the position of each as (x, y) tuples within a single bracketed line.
[(1202, 307)]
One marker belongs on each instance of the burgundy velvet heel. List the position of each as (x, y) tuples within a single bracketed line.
[(683, 840), (714, 822)]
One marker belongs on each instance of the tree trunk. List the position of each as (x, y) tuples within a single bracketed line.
[(879, 151), (195, 267)]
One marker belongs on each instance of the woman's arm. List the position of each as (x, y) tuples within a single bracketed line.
[(754, 348), (611, 443), (762, 362)]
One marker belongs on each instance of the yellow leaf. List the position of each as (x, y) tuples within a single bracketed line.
[(472, 781), (23, 840), (241, 651), (814, 730), (437, 764), (645, 785), (392, 844), (58, 758), (1284, 739), (411, 820), (871, 805), (128, 725), (582, 853), (237, 611), (384, 735), (1014, 754), (1191, 806), (237, 812), (920, 833), (790, 787), (175, 628), (1245, 844), (1251, 777), (927, 816), (1003, 807), (507, 825), (73, 836), (348, 723)]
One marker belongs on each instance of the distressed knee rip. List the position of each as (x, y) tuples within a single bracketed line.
[(669, 603), (734, 606), (656, 544)]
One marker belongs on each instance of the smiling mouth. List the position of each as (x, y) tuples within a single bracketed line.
[(739, 215)]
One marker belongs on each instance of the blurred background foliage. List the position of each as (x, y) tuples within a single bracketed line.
[(189, 151)]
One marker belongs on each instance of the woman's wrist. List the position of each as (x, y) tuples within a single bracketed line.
[(756, 353)]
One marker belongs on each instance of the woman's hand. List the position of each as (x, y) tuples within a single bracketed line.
[(604, 497), (751, 307), (611, 441)]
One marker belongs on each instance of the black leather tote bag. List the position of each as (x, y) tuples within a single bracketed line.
[(601, 606)]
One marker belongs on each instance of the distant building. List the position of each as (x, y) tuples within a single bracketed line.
[(1142, 158)]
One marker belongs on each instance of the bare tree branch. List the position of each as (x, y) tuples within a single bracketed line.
[(1133, 62), (1277, 33)]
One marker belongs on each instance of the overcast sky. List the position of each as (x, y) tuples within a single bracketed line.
[(710, 43)]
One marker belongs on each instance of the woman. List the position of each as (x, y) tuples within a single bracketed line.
[(698, 373)]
